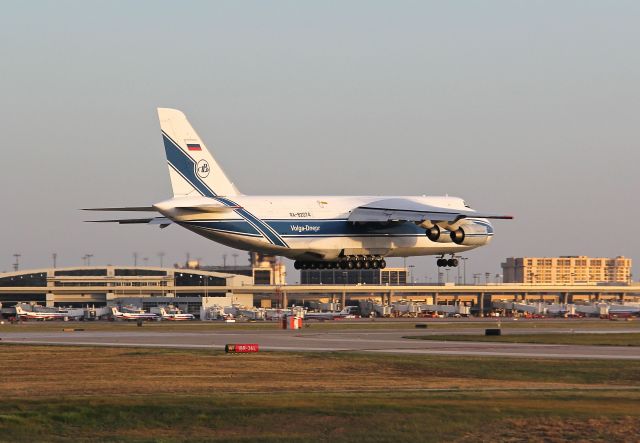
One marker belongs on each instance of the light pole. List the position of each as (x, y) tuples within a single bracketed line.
[(16, 265), (54, 258), (464, 268), (135, 259), (161, 255)]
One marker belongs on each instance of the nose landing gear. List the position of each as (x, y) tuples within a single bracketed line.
[(447, 263)]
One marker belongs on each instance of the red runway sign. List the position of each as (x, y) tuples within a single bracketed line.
[(241, 348)]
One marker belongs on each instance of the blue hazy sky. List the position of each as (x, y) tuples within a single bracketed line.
[(523, 107)]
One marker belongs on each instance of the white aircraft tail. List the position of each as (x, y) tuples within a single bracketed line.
[(19, 310), (192, 168)]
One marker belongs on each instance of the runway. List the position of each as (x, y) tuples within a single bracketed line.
[(388, 341)]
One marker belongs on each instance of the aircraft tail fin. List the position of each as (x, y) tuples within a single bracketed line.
[(192, 168)]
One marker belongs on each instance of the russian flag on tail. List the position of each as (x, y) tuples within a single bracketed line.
[(194, 147)]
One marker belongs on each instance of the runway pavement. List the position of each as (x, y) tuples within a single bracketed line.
[(387, 341)]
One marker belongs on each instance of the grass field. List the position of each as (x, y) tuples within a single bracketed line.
[(609, 339), (53, 393)]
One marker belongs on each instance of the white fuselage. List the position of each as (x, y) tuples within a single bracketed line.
[(313, 227), (317, 231), (133, 315)]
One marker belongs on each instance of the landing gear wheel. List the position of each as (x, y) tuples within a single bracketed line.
[(351, 264), (358, 264), (454, 262), (304, 265), (343, 264), (297, 265), (450, 263), (366, 264), (313, 265), (322, 265), (442, 262), (383, 264), (375, 264)]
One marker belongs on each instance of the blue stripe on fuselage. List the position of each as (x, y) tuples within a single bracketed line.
[(326, 228), (186, 167), (230, 226)]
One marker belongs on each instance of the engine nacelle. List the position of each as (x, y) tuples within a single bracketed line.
[(434, 234), (470, 235)]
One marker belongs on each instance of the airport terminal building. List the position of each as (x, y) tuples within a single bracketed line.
[(194, 289), (387, 276), (104, 285)]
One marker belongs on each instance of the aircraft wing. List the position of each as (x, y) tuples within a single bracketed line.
[(402, 209), (162, 221)]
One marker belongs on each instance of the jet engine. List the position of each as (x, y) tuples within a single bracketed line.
[(434, 233), (471, 234)]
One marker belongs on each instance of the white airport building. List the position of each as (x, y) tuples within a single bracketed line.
[(85, 286)]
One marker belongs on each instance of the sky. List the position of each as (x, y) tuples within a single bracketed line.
[(520, 107)]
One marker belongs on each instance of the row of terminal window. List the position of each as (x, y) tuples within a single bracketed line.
[(40, 279), (122, 272), (363, 276)]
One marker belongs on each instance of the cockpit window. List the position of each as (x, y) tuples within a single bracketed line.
[(466, 205)]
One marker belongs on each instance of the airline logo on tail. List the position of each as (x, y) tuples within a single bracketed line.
[(203, 168)]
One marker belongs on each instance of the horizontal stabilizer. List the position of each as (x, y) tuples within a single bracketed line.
[(126, 208), (162, 221)]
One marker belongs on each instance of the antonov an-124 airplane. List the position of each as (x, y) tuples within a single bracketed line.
[(316, 231)]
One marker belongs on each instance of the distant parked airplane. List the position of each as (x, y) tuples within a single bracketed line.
[(348, 311), (133, 315), (171, 316), (316, 231), (33, 315)]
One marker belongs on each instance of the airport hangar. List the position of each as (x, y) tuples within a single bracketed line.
[(191, 289)]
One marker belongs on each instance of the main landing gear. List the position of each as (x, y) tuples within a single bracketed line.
[(447, 263), (349, 262)]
